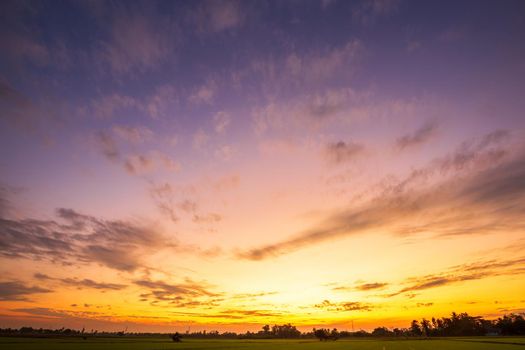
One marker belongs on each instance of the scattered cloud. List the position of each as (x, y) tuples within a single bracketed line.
[(164, 197), (138, 39), (218, 16), (200, 139), (107, 145), (139, 164), (134, 164), (225, 152), (33, 116), (424, 304), (342, 152), (112, 105), (177, 202), (367, 12), (311, 111), (343, 306), (133, 134), (204, 94), (221, 121)]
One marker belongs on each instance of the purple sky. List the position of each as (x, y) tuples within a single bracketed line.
[(254, 136)]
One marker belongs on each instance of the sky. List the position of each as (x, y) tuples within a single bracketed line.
[(221, 165)]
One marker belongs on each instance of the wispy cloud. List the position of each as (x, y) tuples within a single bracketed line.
[(465, 272), (342, 152), (362, 287), (221, 121), (217, 16), (107, 145), (138, 39), (133, 134), (81, 283), (418, 137), (138, 164), (204, 94), (367, 12), (490, 192)]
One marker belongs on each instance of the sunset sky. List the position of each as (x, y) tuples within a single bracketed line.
[(222, 165)]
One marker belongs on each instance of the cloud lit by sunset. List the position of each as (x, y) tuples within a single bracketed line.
[(222, 165)]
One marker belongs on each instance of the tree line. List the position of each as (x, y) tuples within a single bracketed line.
[(461, 324)]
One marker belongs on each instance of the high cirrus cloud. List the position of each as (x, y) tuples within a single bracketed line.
[(484, 180)]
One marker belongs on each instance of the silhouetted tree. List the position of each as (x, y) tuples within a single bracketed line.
[(415, 329), (381, 332)]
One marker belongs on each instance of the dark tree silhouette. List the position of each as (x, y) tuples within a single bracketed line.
[(325, 334)]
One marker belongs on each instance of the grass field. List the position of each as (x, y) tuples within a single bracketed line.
[(132, 343)]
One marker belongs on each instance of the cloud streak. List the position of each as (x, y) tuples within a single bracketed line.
[(81, 283)]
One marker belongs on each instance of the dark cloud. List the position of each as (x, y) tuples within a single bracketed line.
[(465, 272), (17, 291), (341, 152), (343, 306), (483, 191), (418, 137), (361, 287), (188, 294), (81, 283), (79, 238), (424, 304), (371, 286)]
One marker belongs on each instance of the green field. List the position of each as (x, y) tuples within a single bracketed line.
[(135, 343)]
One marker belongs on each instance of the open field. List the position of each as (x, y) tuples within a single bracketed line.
[(132, 343)]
